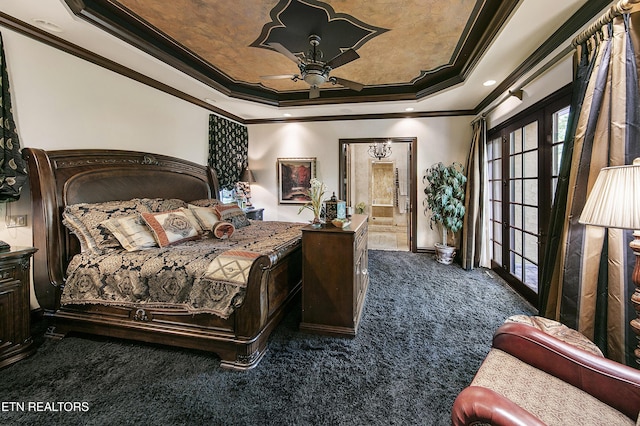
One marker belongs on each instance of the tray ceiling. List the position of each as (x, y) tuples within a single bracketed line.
[(407, 49)]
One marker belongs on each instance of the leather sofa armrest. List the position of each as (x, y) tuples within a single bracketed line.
[(615, 384), (476, 404)]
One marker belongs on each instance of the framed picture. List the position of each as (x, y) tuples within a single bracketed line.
[(294, 179)]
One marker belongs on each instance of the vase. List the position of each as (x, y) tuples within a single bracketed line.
[(316, 223)]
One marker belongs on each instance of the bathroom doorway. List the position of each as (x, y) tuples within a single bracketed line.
[(378, 177)]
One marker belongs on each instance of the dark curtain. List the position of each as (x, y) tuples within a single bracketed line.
[(13, 172), (586, 273), (474, 230), (228, 146)]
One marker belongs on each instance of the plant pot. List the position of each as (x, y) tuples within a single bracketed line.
[(444, 253)]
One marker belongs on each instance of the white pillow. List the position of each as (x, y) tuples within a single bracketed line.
[(131, 231)]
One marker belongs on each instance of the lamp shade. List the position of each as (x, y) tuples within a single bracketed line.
[(614, 201), (247, 176)]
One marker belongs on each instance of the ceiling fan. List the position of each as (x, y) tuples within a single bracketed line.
[(313, 70)]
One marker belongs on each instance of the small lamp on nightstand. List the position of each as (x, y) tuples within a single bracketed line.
[(614, 202), (246, 179)]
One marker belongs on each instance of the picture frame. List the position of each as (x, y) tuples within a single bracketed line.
[(294, 179)]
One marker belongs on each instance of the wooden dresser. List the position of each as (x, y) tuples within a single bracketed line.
[(334, 277), (15, 319)]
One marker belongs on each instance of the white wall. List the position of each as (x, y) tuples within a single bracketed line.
[(62, 102), (445, 139)]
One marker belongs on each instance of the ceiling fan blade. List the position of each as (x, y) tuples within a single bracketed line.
[(280, 77), (343, 58), (348, 83), (281, 49), (314, 92)]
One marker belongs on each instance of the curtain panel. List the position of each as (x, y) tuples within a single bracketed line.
[(474, 250), (228, 148), (586, 275), (13, 171)]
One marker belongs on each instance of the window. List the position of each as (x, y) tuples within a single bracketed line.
[(523, 162)]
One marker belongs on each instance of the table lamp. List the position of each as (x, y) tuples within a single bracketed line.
[(614, 202), (247, 178)]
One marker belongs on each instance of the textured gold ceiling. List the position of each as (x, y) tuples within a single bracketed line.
[(422, 35)]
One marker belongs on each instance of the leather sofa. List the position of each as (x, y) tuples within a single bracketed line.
[(535, 377)]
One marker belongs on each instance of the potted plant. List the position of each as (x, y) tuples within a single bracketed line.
[(445, 199), (316, 195)]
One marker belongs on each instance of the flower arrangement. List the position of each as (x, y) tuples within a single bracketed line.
[(316, 194)]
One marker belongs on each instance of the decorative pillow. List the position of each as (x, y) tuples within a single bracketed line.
[(206, 216), (132, 232), (194, 220), (162, 205), (171, 227), (85, 220), (205, 202), (232, 213), (223, 230)]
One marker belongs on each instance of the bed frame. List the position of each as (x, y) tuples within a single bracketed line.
[(64, 177)]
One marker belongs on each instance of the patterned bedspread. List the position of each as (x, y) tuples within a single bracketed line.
[(206, 275)]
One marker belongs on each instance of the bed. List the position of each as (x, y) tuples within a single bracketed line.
[(62, 179)]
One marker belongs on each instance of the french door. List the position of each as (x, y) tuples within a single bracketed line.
[(524, 159)]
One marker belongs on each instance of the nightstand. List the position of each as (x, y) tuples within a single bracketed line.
[(15, 320), (253, 213)]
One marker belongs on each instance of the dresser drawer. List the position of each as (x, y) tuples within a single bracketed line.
[(8, 272)]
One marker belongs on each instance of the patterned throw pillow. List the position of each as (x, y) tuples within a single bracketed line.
[(206, 216), (132, 232), (171, 227), (85, 220), (162, 204), (205, 202), (223, 230), (232, 213)]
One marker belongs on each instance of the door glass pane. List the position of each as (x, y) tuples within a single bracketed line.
[(516, 191), (496, 193), (531, 164), (497, 253), (531, 275), (560, 121), (531, 136), (557, 156), (516, 216), (516, 166), (516, 142), (516, 266), (497, 232), (531, 192), (531, 247), (531, 219)]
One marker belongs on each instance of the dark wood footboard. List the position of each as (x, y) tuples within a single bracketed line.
[(60, 178)]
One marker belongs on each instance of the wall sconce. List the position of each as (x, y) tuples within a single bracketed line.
[(380, 150), (519, 94)]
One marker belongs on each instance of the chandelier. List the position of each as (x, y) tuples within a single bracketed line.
[(380, 150)]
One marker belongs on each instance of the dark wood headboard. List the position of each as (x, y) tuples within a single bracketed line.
[(65, 177)]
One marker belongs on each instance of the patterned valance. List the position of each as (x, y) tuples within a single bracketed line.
[(13, 172), (228, 146)]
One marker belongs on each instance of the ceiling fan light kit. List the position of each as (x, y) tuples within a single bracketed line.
[(313, 70)]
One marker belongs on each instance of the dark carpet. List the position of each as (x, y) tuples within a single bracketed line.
[(425, 330)]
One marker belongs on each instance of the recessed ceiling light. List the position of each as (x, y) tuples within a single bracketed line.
[(408, 109), (48, 26), (489, 83), (286, 114), (210, 101)]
